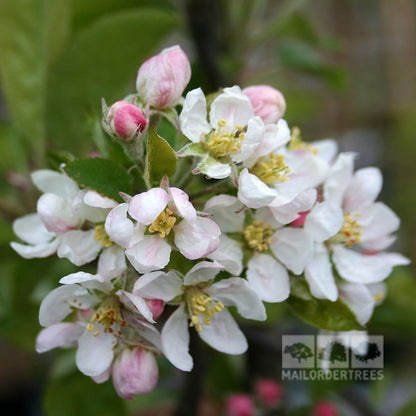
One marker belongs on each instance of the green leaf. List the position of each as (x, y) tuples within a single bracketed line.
[(102, 61), (101, 175), (161, 159)]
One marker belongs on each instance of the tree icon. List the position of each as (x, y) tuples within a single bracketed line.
[(333, 351), (298, 350), (373, 352)]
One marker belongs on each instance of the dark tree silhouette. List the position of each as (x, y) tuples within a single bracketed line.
[(333, 351), (299, 350), (373, 352)]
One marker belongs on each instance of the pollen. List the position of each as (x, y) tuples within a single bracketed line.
[(351, 229), (378, 297), (271, 169), (163, 224), (101, 236), (107, 317), (296, 142), (258, 235)]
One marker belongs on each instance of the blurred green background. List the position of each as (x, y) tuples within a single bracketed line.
[(347, 71)]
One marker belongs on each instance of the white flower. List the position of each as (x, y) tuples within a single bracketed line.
[(158, 213), (203, 303)]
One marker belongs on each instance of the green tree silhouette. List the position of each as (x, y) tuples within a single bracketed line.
[(299, 350), (333, 351)]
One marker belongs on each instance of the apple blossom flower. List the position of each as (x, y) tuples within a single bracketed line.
[(239, 404), (201, 304), (231, 135), (268, 102), (163, 218), (269, 391), (162, 79)]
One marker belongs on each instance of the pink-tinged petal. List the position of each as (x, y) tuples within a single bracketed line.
[(213, 169), (359, 299), (95, 353), (275, 136), (64, 335), (224, 334), (204, 271), (327, 149), (363, 189), (229, 254), (111, 263), (147, 206), (135, 372), (231, 106), (39, 250), (318, 274), (268, 278), (224, 210), (235, 291), (151, 253), (324, 221), (118, 227), (55, 213), (288, 213), (87, 280), (253, 192), (198, 240), (159, 285), (83, 212), (293, 247), (252, 140), (31, 229), (193, 118), (103, 377), (94, 199), (181, 205), (138, 303), (175, 340), (339, 178), (49, 181), (365, 268), (79, 247), (379, 244), (57, 304)]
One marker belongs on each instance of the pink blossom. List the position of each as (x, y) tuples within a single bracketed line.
[(325, 409), (156, 306), (239, 404), (269, 391)]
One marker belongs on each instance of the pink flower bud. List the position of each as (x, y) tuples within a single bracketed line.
[(268, 103), (239, 405), (156, 306), (126, 120), (135, 372), (162, 78), (299, 221), (325, 409), (269, 391)]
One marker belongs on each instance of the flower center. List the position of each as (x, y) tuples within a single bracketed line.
[(101, 236), (378, 297), (221, 144), (350, 233), (163, 224), (108, 316), (200, 304), (296, 142), (258, 235), (271, 169)]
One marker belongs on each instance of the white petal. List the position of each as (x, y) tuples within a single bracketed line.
[(49, 181), (79, 247), (94, 199), (359, 299), (147, 206), (181, 205), (81, 211), (327, 149), (251, 141), (193, 118), (198, 240), (324, 221), (64, 335), (268, 278), (151, 253), (204, 271), (159, 285), (253, 192), (363, 189), (224, 209), (275, 136), (213, 169), (88, 280), (293, 247), (138, 302), (224, 334), (318, 274), (95, 353), (229, 254), (175, 340), (118, 227), (39, 250), (31, 230), (235, 291), (112, 262), (103, 377)]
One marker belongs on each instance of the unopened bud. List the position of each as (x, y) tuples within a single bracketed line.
[(325, 409), (125, 120), (156, 306), (269, 392), (268, 103), (135, 372), (162, 78), (239, 405), (299, 221)]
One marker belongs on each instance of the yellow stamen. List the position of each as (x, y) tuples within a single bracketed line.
[(350, 229), (101, 236), (271, 169), (378, 297), (296, 142), (258, 235), (163, 224), (107, 316)]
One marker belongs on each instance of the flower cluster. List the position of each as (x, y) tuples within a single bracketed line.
[(279, 211)]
